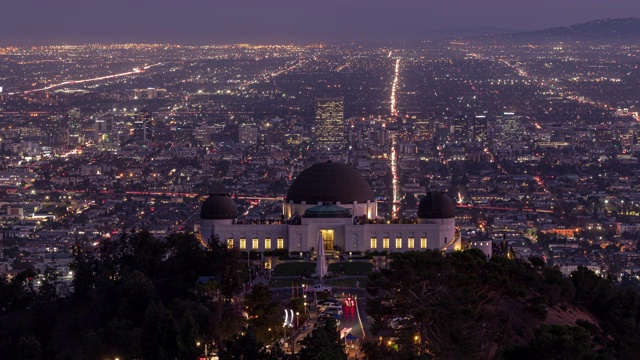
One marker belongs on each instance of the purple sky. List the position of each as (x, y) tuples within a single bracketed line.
[(229, 21)]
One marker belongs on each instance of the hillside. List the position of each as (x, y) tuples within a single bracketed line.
[(611, 30), (461, 306)]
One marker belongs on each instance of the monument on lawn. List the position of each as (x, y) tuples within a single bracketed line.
[(321, 266)]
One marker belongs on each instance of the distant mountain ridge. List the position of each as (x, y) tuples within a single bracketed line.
[(469, 31), (596, 30)]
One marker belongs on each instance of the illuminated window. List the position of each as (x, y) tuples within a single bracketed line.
[(254, 244), (374, 243), (398, 243), (423, 243), (267, 243), (385, 243), (410, 242), (230, 243), (243, 244), (280, 243)]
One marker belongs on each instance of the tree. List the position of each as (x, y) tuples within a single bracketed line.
[(83, 267), (264, 314), (28, 348), (227, 264), (188, 334), (18, 293), (47, 292), (435, 317), (554, 342), (323, 343), (243, 346), (159, 337), (137, 292), (142, 252), (536, 261)]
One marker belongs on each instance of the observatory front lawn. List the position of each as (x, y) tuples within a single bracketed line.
[(351, 268), (296, 268), (348, 268)]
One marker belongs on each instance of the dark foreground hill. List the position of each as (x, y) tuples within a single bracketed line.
[(141, 298), (461, 306)]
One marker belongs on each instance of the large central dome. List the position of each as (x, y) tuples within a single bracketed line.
[(329, 181)]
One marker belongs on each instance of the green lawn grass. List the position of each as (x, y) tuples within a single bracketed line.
[(352, 268), (294, 268)]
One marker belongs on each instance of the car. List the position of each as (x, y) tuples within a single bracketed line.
[(332, 311), (350, 301), (324, 304), (330, 301), (330, 315), (319, 288), (323, 308), (399, 322)]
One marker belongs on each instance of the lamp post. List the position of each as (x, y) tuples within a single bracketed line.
[(305, 302), (305, 307), (297, 316)]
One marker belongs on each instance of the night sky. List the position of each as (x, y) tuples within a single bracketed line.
[(282, 21)]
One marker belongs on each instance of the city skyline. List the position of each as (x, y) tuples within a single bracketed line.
[(446, 198), (39, 22)]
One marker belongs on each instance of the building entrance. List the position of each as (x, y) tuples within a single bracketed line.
[(327, 239)]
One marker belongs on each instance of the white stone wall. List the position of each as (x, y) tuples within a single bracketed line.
[(206, 227), (347, 236), (486, 246)]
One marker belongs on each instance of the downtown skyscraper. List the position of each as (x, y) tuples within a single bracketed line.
[(329, 125)]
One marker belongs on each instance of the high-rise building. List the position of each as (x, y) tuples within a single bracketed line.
[(142, 126), (330, 123), (55, 131), (104, 130), (479, 130), (248, 134), (461, 128), (510, 126)]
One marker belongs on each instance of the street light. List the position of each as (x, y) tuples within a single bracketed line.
[(305, 301), (297, 316)]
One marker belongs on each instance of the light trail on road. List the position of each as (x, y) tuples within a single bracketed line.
[(394, 110), (74, 82), (394, 156), (394, 178)]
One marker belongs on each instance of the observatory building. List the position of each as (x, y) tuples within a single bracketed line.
[(333, 204)]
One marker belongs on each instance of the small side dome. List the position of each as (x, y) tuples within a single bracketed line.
[(436, 205), (218, 206)]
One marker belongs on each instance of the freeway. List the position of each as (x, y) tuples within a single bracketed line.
[(135, 71)]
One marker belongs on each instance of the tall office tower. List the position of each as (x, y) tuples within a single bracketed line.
[(509, 126), (75, 127), (461, 128), (142, 126), (55, 131), (330, 123), (479, 130), (248, 134), (103, 129)]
